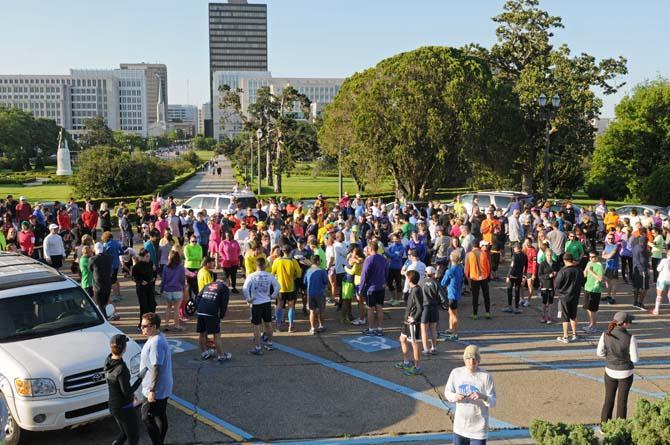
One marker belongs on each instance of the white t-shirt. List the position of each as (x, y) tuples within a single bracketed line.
[(664, 270), (471, 418), (419, 266)]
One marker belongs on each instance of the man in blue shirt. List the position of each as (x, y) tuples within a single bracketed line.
[(212, 305), (373, 284), (156, 366), (315, 281)]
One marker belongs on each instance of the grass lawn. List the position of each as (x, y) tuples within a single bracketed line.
[(306, 187), (205, 155), (47, 192)]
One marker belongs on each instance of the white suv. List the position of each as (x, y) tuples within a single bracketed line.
[(214, 203), (53, 346)]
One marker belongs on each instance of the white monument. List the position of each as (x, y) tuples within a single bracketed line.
[(63, 162)]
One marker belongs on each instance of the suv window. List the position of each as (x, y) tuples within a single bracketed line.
[(223, 203), (484, 201), (47, 313), (208, 202), (246, 202), (194, 203), (466, 199), (502, 201)]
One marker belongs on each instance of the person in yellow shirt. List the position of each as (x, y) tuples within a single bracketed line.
[(321, 233), (611, 219), (205, 275), (254, 252), (287, 270)]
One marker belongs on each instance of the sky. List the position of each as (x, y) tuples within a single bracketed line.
[(309, 38)]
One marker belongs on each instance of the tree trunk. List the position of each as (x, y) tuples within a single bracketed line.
[(277, 184), (268, 166)]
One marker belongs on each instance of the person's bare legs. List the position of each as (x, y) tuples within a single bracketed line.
[(424, 336), (380, 316), (433, 335)]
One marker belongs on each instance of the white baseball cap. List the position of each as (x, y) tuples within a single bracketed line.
[(53, 226)]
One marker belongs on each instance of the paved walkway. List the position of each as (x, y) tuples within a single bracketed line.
[(205, 183)]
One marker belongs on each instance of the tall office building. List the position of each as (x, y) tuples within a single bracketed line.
[(238, 37), (120, 96), (153, 71)]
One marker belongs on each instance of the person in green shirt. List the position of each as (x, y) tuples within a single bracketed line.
[(574, 247), (86, 276), (317, 250), (3, 242), (192, 259), (594, 273), (656, 250)]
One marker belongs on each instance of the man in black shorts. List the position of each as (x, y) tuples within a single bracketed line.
[(568, 285), (259, 289), (641, 254), (410, 330), (431, 311), (212, 304)]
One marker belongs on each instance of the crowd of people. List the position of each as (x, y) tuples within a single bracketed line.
[(354, 253)]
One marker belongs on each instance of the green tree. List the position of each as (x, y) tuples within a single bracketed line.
[(129, 141), (418, 116), (176, 134), (524, 58), (107, 171), (634, 144), (97, 132)]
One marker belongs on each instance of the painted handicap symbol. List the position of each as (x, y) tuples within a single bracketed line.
[(371, 344), (176, 346)]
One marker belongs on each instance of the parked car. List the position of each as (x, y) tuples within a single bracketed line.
[(213, 203), (53, 346), (626, 211), (500, 199)]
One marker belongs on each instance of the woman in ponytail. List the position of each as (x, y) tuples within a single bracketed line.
[(619, 348)]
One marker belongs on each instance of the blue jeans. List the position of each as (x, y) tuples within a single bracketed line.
[(460, 440)]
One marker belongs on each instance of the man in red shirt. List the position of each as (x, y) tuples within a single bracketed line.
[(90, 218), (23, 210), (26, 239)]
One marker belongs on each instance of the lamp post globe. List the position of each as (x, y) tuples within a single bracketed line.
[(542, 100)]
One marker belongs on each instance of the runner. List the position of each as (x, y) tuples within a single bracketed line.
[(478, 271), (568, 284), (410, 330), (212, 305), (316, 281), (610, 254), (287, 270), (373, 280), (515, 278), (594, 274), (663, 283), (640, 253), (259, 289), (453, 282), (546, 273), (430, 316)]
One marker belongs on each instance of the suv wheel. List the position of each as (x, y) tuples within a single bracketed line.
[(11, 432)]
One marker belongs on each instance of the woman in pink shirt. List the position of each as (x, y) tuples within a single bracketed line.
[(229, 251), (214, 239)]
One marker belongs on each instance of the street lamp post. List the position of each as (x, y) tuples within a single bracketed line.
[(251, 160), (259, 135), (547, 112), (339, 172)]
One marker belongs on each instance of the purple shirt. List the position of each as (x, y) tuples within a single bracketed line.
[(173, 279), (373, 277)]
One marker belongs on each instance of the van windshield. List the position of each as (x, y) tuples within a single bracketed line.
[(44, 314)]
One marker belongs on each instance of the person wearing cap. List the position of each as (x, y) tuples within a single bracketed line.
[(619, 348), (23, 210), (54, 249), (473, 391), (26, 239), (568, 284), (122, 393), (478, 271)]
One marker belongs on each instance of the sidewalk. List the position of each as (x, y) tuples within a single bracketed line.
[(206, 183)]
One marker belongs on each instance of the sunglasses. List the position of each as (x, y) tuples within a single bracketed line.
[(145, 326)]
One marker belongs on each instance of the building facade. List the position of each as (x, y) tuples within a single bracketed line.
[(157, 87), (119, 95), (204, 115), (320, 91), (182, 113), (237, 38)]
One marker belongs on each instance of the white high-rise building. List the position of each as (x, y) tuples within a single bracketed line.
[(119, 95), (182, 113), (321, 91)]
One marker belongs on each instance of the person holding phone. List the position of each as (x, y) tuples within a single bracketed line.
[(473, 392), (121, 393)]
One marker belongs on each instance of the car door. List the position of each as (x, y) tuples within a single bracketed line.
[(193, 203), (222, 204)]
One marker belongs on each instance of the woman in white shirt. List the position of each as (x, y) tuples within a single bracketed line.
[(619, 348), (473, 392), (662, 283)]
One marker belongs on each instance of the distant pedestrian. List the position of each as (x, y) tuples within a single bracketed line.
[(619, 348), (156, 361), (473, 392)]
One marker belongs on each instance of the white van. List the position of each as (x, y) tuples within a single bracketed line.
[(53, 346), (218, 203)]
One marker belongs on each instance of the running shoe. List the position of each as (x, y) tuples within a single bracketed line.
[(543, 319), (563, 339), (548, 320), (641, 307), (256, 351), (433, 351), (379, 333), (206, 355), (488, 316), (369, 332), (235, 291), (312, 331), (451, 337), (268, 346), (227, 356), (574, 338), (404, 365), (507, 309), (264, 337), (610, 300), (358, 322), (426, 353), (322, 328), (413, 372), (475, 317)]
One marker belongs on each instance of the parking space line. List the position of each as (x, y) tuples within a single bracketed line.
[(416, 395), (568, 367), (209, 419), (428, 437)]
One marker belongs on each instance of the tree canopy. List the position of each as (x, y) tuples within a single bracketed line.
[(634, 145)]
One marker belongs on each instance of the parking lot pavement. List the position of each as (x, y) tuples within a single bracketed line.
[(340, 386)]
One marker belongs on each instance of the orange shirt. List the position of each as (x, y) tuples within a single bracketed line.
[(610, 220), (487, 229), (475, 270)]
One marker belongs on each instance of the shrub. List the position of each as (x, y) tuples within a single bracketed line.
[(105, 171), (656, 188), (651, 423), (191, 157), (547, 433), (617, 432)]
